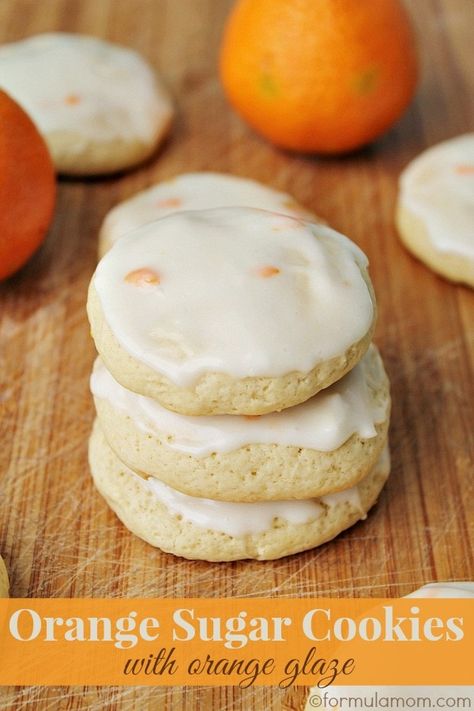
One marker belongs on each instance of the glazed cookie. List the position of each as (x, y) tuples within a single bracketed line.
[(435, 214), (193, 191), (337, 696), (231, 311), (326, 444), (99, 106), (4, 582), (457, 589), (217, 531)]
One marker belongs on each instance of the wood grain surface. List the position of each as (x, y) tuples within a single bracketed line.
[(57, 535)]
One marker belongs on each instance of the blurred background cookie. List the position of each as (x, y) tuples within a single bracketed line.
[(98, 105), (435, 214), (336, 696), (193, 191)]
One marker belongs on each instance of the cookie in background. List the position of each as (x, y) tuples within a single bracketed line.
[(435, 212), (338, 698), (99, 106), (194, 191)]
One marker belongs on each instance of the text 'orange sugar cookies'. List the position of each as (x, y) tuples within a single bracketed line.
[(193, 191), (435, 213), (231, 311), (99, 106)]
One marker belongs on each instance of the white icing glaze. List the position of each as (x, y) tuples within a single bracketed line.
[(235, 519), (216, 309), (195, 191), (240, 519), (438, 187), (350, 496), (73, 83), (322, 423)]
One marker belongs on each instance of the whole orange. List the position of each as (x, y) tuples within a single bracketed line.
[(319, 76), (27, 187)]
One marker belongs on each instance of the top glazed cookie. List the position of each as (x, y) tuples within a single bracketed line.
[(99, 106), (231, 311), (436, 208), (193, 191)]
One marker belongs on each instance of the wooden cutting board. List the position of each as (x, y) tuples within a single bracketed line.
[(58, 537)]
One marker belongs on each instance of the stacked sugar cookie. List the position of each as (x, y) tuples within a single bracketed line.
[(241, 410)]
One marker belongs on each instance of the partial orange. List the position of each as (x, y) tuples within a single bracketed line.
[(27, 187)]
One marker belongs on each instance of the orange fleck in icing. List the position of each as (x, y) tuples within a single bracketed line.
[(143, 277), (170, 202), (72, 99), (290, 205), (465, 169), (267, 272)]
